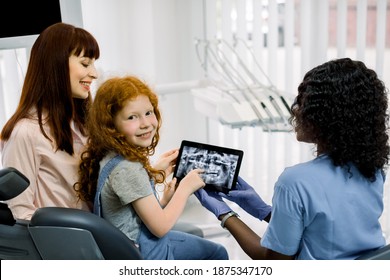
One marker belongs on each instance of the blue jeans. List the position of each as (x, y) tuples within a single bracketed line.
[(177, 245)]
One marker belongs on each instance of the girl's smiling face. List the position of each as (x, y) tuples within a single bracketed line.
[(137, 121)]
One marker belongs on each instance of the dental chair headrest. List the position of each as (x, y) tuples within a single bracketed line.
[(12, 183)]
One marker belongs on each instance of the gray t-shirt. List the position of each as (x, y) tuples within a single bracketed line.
[(127, 182)]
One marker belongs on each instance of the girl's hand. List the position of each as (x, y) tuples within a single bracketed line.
[(167, 161), (192, 181), (169, 190)]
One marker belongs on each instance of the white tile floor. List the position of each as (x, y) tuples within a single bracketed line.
[(197, 215)]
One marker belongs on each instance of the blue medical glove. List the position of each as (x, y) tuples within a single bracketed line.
[(248, 199), (213, 202)]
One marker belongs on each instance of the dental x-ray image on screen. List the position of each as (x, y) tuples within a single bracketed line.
[(221, 165)]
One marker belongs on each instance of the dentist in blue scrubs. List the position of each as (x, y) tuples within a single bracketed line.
[(329, 207)]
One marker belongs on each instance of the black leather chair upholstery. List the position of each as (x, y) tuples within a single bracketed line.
[(87, 236)]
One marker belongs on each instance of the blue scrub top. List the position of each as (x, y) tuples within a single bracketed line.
[(322, 211)]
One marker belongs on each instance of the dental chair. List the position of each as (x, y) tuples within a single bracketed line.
[(56, 233)]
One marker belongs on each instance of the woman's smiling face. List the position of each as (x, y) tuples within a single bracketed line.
[(82, 72)]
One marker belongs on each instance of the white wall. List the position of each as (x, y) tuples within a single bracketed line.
[(153, 40)]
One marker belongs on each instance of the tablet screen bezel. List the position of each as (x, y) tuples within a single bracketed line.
[(207, 149)]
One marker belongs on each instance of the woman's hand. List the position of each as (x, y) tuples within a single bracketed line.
[(167, 161), (248, 199), (212, 202)]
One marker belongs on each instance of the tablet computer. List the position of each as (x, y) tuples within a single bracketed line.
[(221, 165)]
